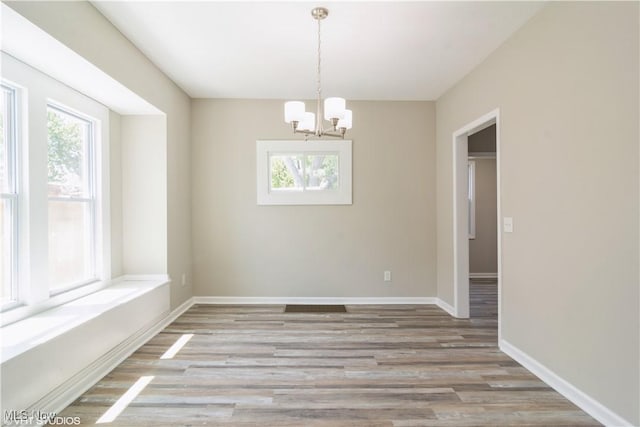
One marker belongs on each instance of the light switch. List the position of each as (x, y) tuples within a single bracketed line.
[(507, 224)]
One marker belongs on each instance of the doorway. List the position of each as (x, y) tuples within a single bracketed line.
[(483, 222), (461, 211)]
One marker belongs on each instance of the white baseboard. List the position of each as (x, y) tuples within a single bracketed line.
[(568, 390), (326, 300), (70, 390), (315, 300), (446, 307), (483, 275)]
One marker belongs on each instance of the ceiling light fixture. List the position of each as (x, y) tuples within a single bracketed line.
[(334, 108)]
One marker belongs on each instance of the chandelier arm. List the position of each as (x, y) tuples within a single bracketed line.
[(294, 126), (335, 134), (307, 133)]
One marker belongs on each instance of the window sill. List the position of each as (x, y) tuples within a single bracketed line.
[(32, 331)]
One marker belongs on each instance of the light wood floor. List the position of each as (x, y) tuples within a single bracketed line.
[(373, 366), (483, 298)]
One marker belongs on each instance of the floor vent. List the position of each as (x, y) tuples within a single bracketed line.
[(310, 308)]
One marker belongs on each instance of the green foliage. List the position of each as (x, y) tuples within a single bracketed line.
[(281, 177), (65, 148)]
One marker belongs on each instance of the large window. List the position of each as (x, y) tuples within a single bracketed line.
[(9, 197), (54, 193), (72, 204)]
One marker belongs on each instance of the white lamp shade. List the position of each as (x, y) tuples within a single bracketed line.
[(334, 108), (308, 122), (346, 121), (293, 111)]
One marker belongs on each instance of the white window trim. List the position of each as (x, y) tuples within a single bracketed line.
[(36, 91), (14, 191), (93, 199), (340, 196)]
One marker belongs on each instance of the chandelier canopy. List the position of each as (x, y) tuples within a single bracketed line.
[(335, 111)]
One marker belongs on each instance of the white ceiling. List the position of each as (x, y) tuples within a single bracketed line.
[(371, 50)]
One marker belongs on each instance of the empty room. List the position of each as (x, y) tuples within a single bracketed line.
[(294, 213)]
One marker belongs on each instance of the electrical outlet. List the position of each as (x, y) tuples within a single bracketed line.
[(184, 279), (387, 276)]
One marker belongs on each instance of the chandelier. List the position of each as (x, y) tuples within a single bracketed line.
[(334, 108)]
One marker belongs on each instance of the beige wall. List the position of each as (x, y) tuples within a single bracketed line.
[(483, 250), (144, 194), (241, 249), (83, 29), (567, 88)]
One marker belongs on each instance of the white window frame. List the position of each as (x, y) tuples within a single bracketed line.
[(340, 196), (472, 198), (12, 195), (91, 199), (37, 90)]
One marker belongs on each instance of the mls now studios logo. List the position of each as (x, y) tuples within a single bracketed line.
[(38, 418)]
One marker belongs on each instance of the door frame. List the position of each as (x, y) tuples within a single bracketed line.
[(461, 216)]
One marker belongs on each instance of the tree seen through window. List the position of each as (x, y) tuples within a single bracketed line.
[(304, 172)]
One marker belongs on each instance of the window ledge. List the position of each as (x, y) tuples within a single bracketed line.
[(30, 332)]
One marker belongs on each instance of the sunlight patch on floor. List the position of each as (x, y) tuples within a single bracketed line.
[(124, 401), (177, 346)]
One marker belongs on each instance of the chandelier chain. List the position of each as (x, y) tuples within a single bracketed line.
[(319, 129)]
